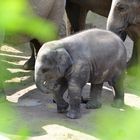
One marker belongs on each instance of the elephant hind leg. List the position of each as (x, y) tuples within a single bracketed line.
[(95, 96), (118, 85), (77, 16), (57, 16)]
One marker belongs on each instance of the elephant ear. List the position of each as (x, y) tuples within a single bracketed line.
[(63, 59)]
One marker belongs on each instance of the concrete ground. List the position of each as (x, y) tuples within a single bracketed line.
[(30, 114)]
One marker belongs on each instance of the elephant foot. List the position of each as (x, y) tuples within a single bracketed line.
[(118, 103), (29, 64), (62, 108), (93, 104), (73, 114)]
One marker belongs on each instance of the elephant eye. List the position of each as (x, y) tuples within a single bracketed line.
[(121, 7), (45, 70)]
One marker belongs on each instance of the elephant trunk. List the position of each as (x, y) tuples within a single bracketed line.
[(116, 25), (40, 83), (44, 85)]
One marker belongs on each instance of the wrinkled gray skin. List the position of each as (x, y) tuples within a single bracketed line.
[(52, 10), (93, 56), (125, 16)]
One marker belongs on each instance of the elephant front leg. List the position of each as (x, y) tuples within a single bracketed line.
[(82, 18), (74, 92), (95, 97), (62, 105), (76, 15)]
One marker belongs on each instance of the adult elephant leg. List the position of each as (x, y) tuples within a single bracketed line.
[(82, 18), (77, 16), (56, 16), (77, 21), (73, 12), (35, 46)]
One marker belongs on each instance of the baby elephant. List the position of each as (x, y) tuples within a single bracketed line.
[(93, 56)]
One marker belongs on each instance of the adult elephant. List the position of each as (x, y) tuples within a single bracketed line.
[(124, 16), (52, 10), (77, 11)]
